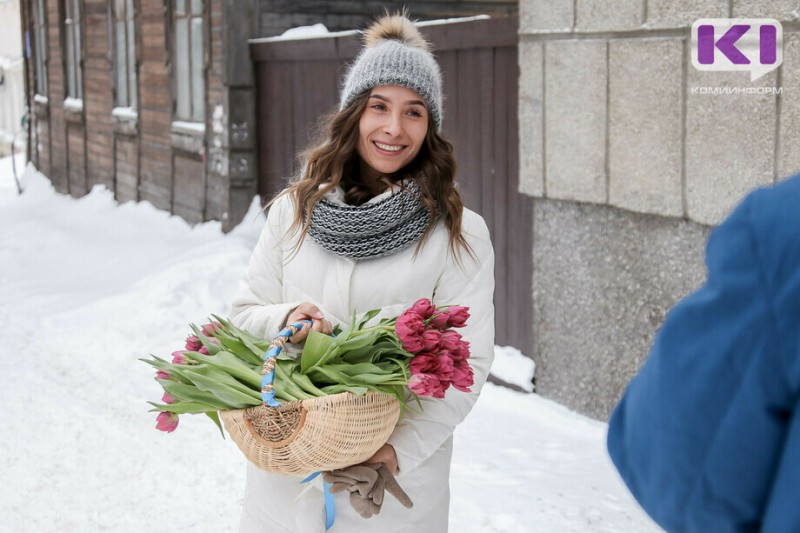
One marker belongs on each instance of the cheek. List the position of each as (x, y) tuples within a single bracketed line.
[(362, 136), (419, 137)]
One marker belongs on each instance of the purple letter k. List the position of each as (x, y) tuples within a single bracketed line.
[(726, 44)]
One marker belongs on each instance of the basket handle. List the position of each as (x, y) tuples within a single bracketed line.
[(268, 368)]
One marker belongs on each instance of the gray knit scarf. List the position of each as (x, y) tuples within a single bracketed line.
[(370, 230)]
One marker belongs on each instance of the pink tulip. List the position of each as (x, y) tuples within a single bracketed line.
[(193, 344), (167, 398), (458, 316), (431, 339), (179, 358), (450, 340), (424, 308), (423, 363), (212, 328), (410, 328), (162, 375), (444, 366), (203, 350), (166, 421), (461, 353), (427, 385), (463, 377), (439, 320)]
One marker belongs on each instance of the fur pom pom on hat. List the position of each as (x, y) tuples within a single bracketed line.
[(395, 53)]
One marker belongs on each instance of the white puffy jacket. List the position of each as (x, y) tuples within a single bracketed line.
[(277, 281)]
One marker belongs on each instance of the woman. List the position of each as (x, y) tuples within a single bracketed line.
[(374, 222)]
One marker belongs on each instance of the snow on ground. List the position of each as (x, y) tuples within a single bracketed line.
[(513, 367), (88, 286)]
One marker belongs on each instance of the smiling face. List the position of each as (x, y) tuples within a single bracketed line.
[(391, 130)]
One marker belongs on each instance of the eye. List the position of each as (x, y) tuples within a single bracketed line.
[(379, 106), (415, 113)]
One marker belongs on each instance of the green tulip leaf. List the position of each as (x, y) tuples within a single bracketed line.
[(316, 346)]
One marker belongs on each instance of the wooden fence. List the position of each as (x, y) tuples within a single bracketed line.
[(298, 82)]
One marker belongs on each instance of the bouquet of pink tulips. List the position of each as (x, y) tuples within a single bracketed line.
[(417, 353)]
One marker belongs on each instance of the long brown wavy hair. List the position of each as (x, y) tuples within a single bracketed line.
[(333, 161)]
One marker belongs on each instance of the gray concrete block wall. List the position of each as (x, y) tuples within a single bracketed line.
[(645, 125), (547, 16), (783, 10), (603, 281), (633, 155), (601, 15), (575, 120), (789, 131), (587, 156), (730, 144), (682, 13), (531, 116)]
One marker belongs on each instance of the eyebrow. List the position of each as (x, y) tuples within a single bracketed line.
[(409, 102)]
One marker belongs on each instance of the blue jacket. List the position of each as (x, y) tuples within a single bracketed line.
[(707, 435)]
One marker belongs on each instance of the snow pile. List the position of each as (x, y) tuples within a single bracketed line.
[(513, 367), (305, 32), (89, 286)]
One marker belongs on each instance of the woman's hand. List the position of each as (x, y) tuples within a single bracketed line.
[(386, 456), (308, 311)]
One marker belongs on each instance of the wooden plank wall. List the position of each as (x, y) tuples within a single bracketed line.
[(39, 147), (98, 98), (56, 88), (155, 106), (298, 82)]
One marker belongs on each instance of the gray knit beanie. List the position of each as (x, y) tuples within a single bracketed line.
[(395, 54)]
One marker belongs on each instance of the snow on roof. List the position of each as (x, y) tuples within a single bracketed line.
[(320, 31)]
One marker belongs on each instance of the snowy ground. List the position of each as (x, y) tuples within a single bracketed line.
[(88, 286)]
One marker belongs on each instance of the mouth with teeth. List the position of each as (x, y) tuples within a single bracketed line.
[(390, 149)]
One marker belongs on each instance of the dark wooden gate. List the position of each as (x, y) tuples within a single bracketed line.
[(298, 82)]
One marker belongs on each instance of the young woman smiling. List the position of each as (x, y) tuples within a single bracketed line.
[(374, 221)]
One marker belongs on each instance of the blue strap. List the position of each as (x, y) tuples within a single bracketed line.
[(269, 397), (330, 505)]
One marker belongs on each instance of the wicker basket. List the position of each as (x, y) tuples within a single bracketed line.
[(306, 436)]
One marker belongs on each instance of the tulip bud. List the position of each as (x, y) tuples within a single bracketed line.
[(458, 316), (424, 308), (193, 344), (166, 421)]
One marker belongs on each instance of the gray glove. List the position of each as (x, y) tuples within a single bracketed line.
[(366, 484)]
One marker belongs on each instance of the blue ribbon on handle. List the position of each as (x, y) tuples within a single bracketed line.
[(273, 351), (330, 506)]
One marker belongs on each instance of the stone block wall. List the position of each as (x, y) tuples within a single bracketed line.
[(632, 156)]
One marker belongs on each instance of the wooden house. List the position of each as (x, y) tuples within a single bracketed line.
[(156, 99)]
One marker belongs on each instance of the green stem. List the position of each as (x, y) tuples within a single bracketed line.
[(370, 329)]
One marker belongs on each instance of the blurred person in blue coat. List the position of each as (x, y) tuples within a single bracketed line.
[(707, 435)]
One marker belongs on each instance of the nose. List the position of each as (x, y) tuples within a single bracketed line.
[(393, 125)]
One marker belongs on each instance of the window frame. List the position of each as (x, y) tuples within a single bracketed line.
[(131, 57), (194, 115), (39, 21), (72, 36)]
